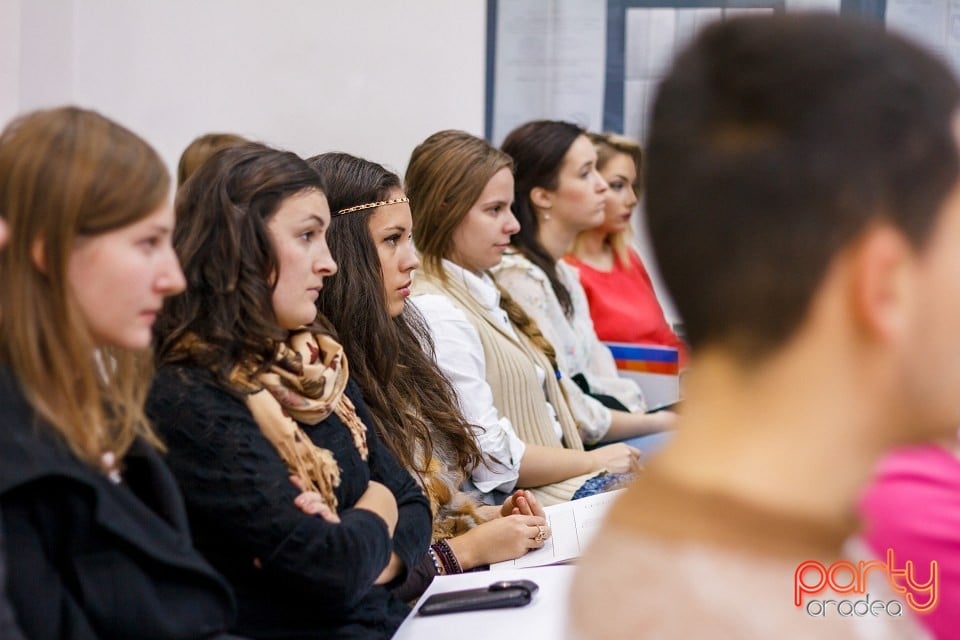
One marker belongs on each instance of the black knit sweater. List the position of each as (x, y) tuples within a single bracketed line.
[(295, 576)]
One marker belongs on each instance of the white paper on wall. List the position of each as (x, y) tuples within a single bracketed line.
[(550, 63), (933, 23)]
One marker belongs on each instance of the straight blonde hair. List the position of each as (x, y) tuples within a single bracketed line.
[(609, 145), (445, 177), (67, 173)]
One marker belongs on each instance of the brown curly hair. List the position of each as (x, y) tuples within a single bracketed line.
[(228, 259)]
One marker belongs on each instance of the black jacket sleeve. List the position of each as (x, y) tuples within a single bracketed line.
[(241, 501)]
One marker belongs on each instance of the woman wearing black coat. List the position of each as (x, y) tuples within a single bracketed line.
[(95, 538), (290, 492)]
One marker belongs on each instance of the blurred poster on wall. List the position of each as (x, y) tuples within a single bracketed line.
[(559, 59), (653, 37), (550, 63), (935, 23)]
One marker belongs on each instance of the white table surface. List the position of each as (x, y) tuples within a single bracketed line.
[(542, 619)]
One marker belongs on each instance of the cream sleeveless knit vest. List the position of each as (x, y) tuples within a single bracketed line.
[(517, 392)]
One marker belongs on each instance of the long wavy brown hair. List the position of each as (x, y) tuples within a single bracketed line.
[(228, 259), (66, 173), (390, 358)]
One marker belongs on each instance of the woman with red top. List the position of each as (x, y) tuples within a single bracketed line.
[(623, 303)]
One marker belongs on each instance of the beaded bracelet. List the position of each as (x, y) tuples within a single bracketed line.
[(447, 557), (436, 561)]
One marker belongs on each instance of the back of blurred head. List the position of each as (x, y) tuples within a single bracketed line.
[(64, 174), (228, 258), (775, 143), (200, 149)]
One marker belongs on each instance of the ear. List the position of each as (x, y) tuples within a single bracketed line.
[(881, 282), (541, 198), (39, 254)]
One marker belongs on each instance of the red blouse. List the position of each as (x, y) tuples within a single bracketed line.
[(624, 306)]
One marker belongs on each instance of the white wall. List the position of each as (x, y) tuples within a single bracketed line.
[(370, 77), (9, 58)]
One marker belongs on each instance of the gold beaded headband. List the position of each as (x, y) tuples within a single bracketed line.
[(372, 205)]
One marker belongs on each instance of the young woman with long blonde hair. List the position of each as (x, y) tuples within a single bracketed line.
[(97, 543)]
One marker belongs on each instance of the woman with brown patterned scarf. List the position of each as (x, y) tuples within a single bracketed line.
[(290, 494)]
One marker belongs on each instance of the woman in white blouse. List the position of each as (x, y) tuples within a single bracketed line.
[(503, 370), (559, 193)]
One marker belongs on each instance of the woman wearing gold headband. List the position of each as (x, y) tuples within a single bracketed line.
[(254, 400), (415, 407)]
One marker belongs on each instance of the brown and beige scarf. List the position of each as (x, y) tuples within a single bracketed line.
[(305, 384)]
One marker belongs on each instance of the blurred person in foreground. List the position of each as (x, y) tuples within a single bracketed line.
[(804, 207)]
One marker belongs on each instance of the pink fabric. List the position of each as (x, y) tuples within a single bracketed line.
[(913, 507), (624, 306)]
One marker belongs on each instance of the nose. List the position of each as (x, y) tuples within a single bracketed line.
[(325, 265), (170, 280), (410, 260), (601, 184), (632, 197), (512, 225)]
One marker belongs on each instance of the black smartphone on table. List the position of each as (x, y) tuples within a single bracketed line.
[(499, 595)]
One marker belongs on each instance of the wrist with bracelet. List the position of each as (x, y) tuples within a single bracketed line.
[(444, 559)]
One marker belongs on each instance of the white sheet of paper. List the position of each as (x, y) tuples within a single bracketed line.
[(572, 524)]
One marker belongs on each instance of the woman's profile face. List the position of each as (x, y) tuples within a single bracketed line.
[(578, 201), (620, 173), (483, 235), (3, 233), (391, 229), (299, 233), (120, 278)]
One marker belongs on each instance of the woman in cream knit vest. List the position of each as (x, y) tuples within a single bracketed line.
[(504, 372)]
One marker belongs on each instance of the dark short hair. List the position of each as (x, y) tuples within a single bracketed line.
[(775, 142), (228, 259)]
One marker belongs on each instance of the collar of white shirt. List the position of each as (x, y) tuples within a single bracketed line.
[(482, 287)]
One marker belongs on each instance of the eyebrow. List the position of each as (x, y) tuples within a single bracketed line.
[(397, 227), (490, 203), (314, 218), (161, 228)]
